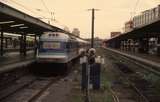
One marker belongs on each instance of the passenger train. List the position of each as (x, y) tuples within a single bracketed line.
[(57, 47)]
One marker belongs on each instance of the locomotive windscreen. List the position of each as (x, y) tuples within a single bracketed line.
[(51, 45)]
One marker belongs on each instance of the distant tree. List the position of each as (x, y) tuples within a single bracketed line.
[(96, 38), (66, 29), (76, 31)]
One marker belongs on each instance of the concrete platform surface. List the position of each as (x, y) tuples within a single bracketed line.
[(13, 60)]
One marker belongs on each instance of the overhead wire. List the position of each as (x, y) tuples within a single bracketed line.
[(17, 3), (52, 13), (135, 7), (133, 11), (44, 4)]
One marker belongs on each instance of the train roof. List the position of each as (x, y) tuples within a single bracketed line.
[(56, 36)]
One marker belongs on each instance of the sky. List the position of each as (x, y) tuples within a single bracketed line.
[(111, 16)]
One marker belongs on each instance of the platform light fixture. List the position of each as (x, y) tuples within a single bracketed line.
[(7, 22), (17, 25), (23, 27), (11, 34), (30, 34)]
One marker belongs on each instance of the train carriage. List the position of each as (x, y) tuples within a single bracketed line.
[(56, 47)]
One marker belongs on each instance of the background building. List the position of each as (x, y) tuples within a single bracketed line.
[(114, 34), (128, 26)]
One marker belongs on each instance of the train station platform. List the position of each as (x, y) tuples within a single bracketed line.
[(148, 62), (150, 57), (14, 60)]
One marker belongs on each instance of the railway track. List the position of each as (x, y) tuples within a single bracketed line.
[(36, 96), (31, 89), (7, 78), (115, 97), (10, 90), (144, 89), (141, 96)]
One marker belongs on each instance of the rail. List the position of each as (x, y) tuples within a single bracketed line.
[(149, 65)]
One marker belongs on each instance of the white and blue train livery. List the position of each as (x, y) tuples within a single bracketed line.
[(56, 47)]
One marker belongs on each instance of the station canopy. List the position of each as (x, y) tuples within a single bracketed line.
[(149, 30), (15, 21)]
